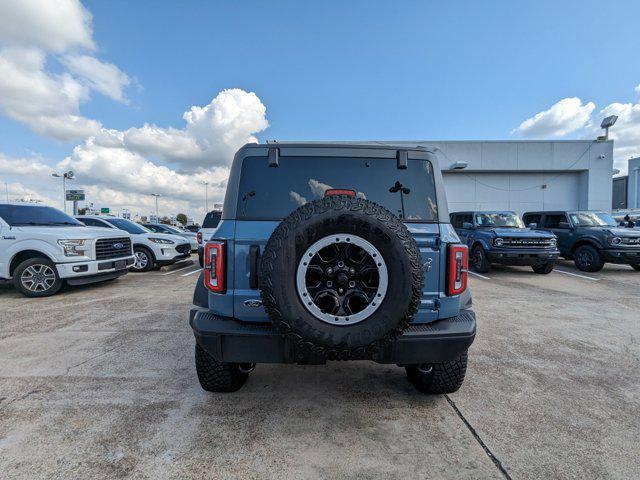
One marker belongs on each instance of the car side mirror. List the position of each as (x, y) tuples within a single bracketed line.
[(467, 225), (532, 225), (564, 225)]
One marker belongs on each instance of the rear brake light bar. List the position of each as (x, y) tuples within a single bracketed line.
[(457, 266), (339, 191), (214, 266)]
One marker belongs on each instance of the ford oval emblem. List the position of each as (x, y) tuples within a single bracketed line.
[(253, 303), (118, 245)]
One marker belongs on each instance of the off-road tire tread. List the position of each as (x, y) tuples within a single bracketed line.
[(486, 265), (217, 376), (446, 377), (597, 266), (338, 203), (543, 269)]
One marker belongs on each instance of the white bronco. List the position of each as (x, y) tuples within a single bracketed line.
[(42, 247)]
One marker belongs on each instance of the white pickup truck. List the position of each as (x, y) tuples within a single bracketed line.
[(41, 247)]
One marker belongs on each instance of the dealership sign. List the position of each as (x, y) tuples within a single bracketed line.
[(74, 195)]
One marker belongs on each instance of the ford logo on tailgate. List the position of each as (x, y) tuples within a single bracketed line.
[(118, 245)]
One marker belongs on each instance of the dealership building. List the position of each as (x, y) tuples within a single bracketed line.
[(525, 175), (626, 189)]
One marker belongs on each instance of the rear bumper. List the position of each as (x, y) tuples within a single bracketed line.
[(621, 255), (519, 256), (230, 340)]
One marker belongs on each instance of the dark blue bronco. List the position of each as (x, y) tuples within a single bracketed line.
[(501, 237), (334, 252)]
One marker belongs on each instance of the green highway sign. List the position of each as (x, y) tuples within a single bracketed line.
[(104, 210)]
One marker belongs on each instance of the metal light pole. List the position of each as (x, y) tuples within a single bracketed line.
[(206, 196), (156, 195), (6, 190), (65, 176)]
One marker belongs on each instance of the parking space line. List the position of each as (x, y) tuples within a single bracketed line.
[(478, 275), (576, 275), (176, 270), (190, 273)]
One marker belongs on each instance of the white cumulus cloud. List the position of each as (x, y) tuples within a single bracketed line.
[(565, 117), (47, 103), (34, 34), (51, 25), (571, 115), (120, 169), (103, 77), (211, 136)]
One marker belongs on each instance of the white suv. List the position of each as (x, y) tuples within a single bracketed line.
[(41, 248), (150, 249)]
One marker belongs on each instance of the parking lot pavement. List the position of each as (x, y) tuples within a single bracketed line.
[(98, 382)]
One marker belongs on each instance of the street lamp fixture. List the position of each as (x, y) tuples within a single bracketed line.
[(606, 123)]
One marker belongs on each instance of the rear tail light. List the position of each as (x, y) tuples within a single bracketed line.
[(214, 266), (339, 191), (199, 238), (457, 265)]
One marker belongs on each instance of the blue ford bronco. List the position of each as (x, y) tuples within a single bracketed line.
[(501, 237), (590, 238), (333, 252)]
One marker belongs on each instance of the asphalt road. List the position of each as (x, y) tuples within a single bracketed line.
[(99, 382)]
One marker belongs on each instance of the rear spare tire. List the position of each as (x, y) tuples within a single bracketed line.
[(340, 276)]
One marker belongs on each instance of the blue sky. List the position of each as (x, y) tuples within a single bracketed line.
[(349, 70)]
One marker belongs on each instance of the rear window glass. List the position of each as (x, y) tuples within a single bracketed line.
[(272, 193), (212, 219)]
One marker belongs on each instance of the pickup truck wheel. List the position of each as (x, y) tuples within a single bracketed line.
[(37, 277), (143, 260), (588, 259), (340, 277), (446, 377), (636, 266), (479, 261), (217, 376), (544, 268)]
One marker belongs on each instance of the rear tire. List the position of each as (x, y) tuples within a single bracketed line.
[(215, 376), (446, 377), (143, 260), (588, 259), (635, 266), (37, 277), (543, 269), (479, 260)]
